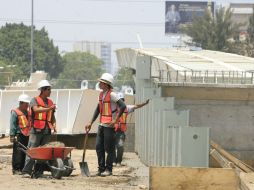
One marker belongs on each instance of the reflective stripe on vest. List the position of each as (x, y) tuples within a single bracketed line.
[(41, 118), (23, 122), (105, 108), (122, 120)]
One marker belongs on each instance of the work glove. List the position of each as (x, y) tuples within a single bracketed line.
[(13, 139)]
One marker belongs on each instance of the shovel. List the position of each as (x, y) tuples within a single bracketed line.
[(83, 165)]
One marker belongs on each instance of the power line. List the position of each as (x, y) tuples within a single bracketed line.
[(128, 1), (79, 22)]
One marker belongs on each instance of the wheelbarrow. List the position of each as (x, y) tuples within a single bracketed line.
[(56, 158)]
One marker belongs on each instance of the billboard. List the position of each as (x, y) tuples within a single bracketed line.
[(183, 12)]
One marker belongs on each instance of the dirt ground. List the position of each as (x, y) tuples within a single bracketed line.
[(133, 175)]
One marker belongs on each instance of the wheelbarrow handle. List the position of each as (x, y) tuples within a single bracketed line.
[(23, 150), (23, 146)]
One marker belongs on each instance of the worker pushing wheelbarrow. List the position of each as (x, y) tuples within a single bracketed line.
[(55, 158)]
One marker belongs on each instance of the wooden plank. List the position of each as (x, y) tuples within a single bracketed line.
[(223, 162), (231, 158), (246, 181), (170, 178)]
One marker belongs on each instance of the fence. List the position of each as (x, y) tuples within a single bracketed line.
[(206, 77)]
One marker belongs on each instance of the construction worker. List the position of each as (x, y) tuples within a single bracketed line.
[(120, 129), (105, 142), (43, 124), (19, 132)]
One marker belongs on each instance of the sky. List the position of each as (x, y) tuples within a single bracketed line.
[(115, 21)]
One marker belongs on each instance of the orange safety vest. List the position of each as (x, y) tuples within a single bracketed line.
[(41, 118), (122, 121), (105, 108), (24, 122)]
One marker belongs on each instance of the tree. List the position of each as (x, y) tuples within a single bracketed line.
[(213, 32), (124, 77), (79, 66), (15, 50), (251, 27), (5, 74), (246, 47)]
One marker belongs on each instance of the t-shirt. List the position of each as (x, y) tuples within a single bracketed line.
[(113, 103), (46, 130), (14, 123), (130, 108)]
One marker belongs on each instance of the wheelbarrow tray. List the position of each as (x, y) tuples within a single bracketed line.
[(48, 153)]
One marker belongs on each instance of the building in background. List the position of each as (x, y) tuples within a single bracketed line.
[(102, 50), (241, 14), (31, 84)]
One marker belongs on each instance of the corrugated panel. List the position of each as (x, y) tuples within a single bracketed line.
[(159, 127), (148, 93), (193, 147)]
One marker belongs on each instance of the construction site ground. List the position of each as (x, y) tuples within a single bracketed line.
[(133, 175)]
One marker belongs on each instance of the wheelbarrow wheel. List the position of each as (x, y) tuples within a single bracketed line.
[(59, 171), (68, 162)]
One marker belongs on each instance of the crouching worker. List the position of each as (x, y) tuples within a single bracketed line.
[(19, 132), (43, 123), (105, 139), (120, 129)]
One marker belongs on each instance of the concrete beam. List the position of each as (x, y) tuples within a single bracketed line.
[(208, 93)]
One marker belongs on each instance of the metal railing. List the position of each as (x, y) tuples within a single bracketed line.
[(206, 77)]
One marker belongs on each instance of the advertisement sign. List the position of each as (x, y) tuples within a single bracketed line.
[(178, 13)]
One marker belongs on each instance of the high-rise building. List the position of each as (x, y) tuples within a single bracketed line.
[(102, 50)]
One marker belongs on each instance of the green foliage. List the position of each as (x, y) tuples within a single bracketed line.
[(124, 77), (212, 32), (79, 66), (15, 49), (5, 74), (246, 47), (251, 28)]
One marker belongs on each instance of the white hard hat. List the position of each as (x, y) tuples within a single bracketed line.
[(24, 98), (43, 83), (120, 95), (107, 78)]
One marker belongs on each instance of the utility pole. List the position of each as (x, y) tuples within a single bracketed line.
[(32, 37)]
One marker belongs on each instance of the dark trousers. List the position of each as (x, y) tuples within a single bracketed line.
[(119, 146), (18, 157), (35, 140), (105, 142)]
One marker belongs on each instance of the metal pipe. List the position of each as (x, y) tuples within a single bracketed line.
[(32, 37)]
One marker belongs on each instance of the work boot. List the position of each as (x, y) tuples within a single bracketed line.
[(106, 173), (26, 174), (99, 173), (37, 174), (16, 172)]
